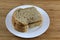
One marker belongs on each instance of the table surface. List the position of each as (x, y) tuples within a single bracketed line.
[(52, 7)]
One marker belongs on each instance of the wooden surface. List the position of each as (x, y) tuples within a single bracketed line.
[(52, 7)]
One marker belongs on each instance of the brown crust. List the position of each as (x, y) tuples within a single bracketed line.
[(18, 26)]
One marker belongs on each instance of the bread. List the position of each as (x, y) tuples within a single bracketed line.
[(34, 24), (18, 26), (25, 18)]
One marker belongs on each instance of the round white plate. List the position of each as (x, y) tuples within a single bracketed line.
[(34, 32)]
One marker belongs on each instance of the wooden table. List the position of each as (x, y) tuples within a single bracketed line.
[(52, 7)]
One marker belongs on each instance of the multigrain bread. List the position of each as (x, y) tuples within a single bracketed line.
[(25, 18), (19, 26), (34, 24)]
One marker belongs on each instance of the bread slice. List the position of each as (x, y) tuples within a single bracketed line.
[(27, 15), (19, 26), (35, 24), (25, 18)]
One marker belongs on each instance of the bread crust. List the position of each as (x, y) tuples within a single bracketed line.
[(18, 26)]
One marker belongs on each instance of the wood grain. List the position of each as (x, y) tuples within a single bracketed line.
[(52, 7)]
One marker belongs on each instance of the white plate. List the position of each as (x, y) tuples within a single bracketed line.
[(34, 32)]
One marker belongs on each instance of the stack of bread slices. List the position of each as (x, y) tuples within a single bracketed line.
[(23, 19)]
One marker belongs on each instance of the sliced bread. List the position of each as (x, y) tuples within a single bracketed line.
[(25, 18)]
